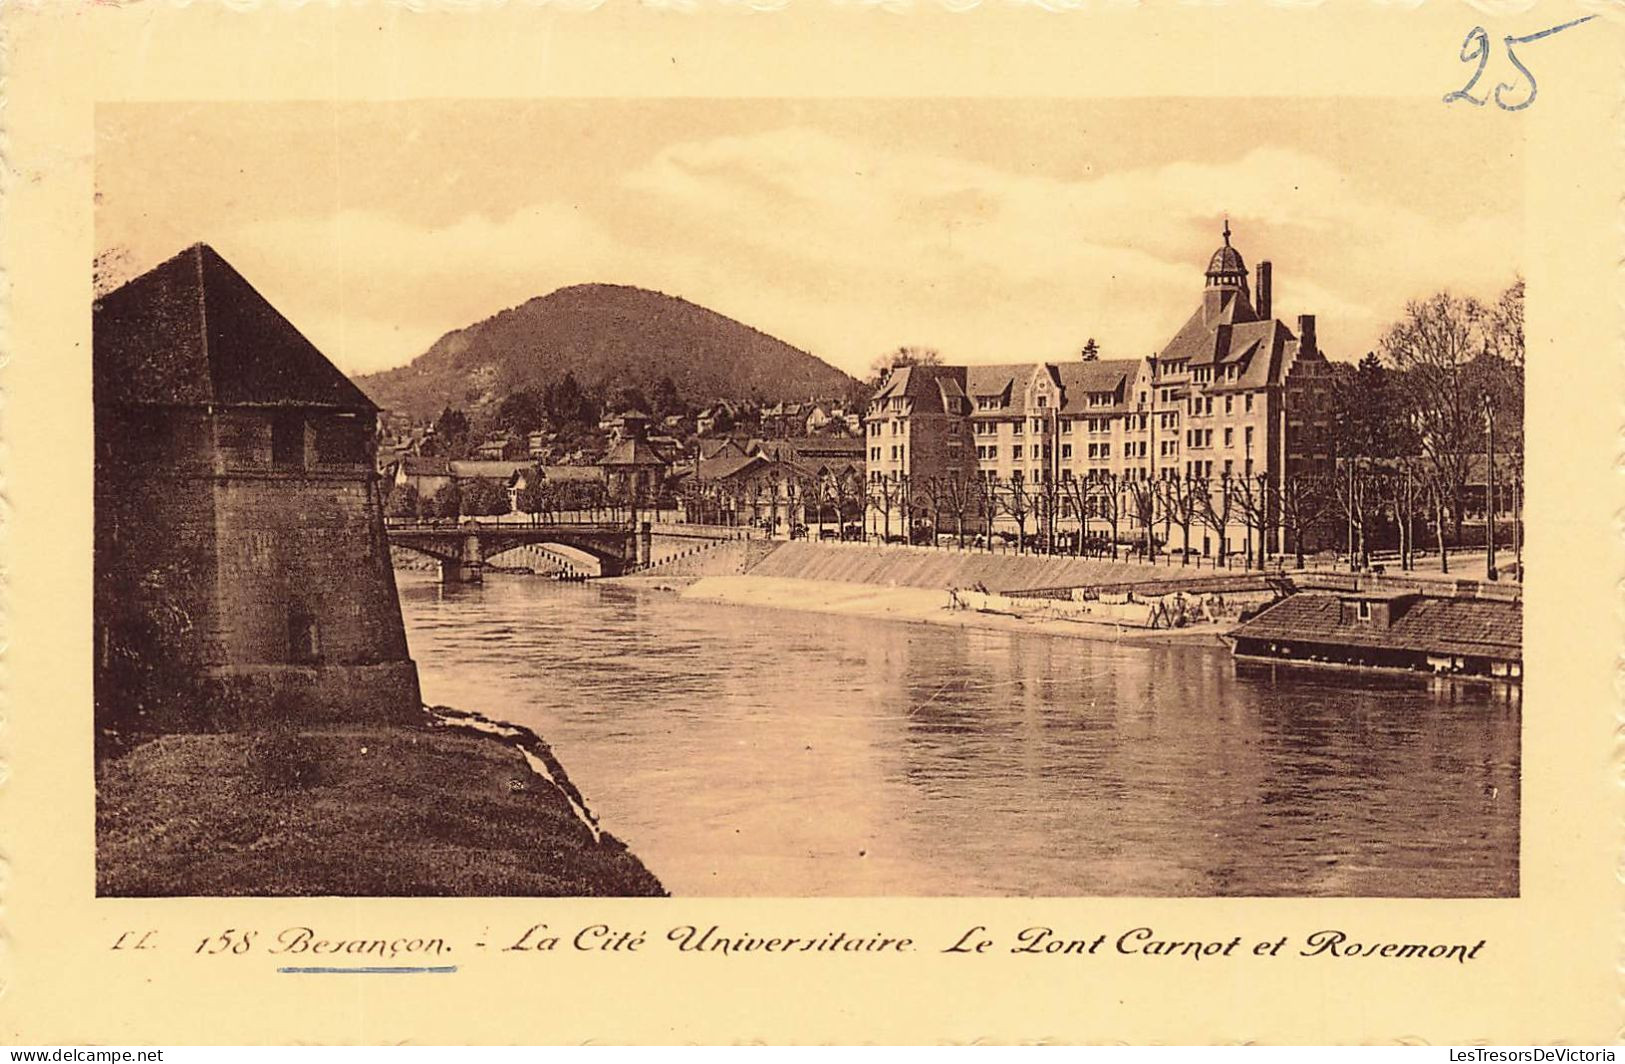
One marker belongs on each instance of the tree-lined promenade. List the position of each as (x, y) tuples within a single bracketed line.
[(1423, 456)]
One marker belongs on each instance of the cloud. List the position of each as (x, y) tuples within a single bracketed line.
[(850, 248)]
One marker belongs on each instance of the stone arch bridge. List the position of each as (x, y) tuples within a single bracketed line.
[(462, 548)]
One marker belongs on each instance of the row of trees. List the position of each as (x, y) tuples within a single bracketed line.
[(1399, 501), (485, 497), (1443, 391)]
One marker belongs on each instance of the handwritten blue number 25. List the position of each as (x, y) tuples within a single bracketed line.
[(1476, 46)]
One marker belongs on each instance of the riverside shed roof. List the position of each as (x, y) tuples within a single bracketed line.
[(1479, 627)]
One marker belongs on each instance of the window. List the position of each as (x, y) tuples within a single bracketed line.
[(1247, 402), (1248, 435), (1043, 401), (1105, 450), (1229, 437), (953, 428), (1229, 404), (288, 441), (1015, 452), (1066, 450), (1016, 428), (1066, 426), (1365, 611), (342, 441)]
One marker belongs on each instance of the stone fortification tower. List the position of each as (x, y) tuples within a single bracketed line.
[(241, 566)]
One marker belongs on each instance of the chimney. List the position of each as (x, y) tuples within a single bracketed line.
[(1306, 333), (1264, 291)]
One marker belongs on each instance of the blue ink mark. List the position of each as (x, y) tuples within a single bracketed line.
[(1477, 43), (440, 970), (1513, 57), (1476, 47)]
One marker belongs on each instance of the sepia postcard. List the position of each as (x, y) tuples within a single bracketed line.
[(831, 523)]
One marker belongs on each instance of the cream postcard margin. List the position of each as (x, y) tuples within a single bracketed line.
[(1548, 969)]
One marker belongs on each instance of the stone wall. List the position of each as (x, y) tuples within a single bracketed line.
[(222, 595)]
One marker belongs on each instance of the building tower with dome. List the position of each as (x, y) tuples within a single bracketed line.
[(1235, 396)]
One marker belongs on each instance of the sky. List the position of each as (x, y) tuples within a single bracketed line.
[(993, 230)]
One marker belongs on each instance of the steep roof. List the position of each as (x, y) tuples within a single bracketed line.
[(1262, 348), (191, 331), (1484, 627), (634, 451), (574, 473), (723, 468), (487, 470), (1078, 379), (932, 389), (418, 466), (711, 447)]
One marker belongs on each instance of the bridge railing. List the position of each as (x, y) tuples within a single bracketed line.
[(507, 522)]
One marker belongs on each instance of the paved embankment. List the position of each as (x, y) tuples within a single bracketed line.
[(925, 606), (935, 567), (707, 557)]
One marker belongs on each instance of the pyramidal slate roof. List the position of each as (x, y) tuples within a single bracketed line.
[(191, 331)]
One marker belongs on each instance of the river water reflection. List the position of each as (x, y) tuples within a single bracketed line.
[(745, 751)]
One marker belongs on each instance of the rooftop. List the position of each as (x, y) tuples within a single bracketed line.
[(1484, 627), (191, 331)]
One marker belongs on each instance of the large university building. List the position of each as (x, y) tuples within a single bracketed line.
[(1235, 396)]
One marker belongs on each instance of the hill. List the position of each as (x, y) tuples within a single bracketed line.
[(610, 337)]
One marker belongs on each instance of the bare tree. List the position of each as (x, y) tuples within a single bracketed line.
[(850, 502), (1016, 501), (1439, 495), (1302, 500), (929, 498), (1145, 496), (956, 499), (1077, 499), (1106, 492), (1179, 505), (1213, 504), (1252, 504), (1434, 346), (1401, 489), (1355, 498), (885, 493)]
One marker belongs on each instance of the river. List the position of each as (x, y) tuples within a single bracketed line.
[(745, 751)]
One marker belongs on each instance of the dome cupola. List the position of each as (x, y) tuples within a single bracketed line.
[(1226, 268)]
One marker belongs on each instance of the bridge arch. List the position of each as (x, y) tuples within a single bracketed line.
[(555, 557), (463, 550)]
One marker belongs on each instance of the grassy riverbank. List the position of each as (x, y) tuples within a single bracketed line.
[(419, 809)]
